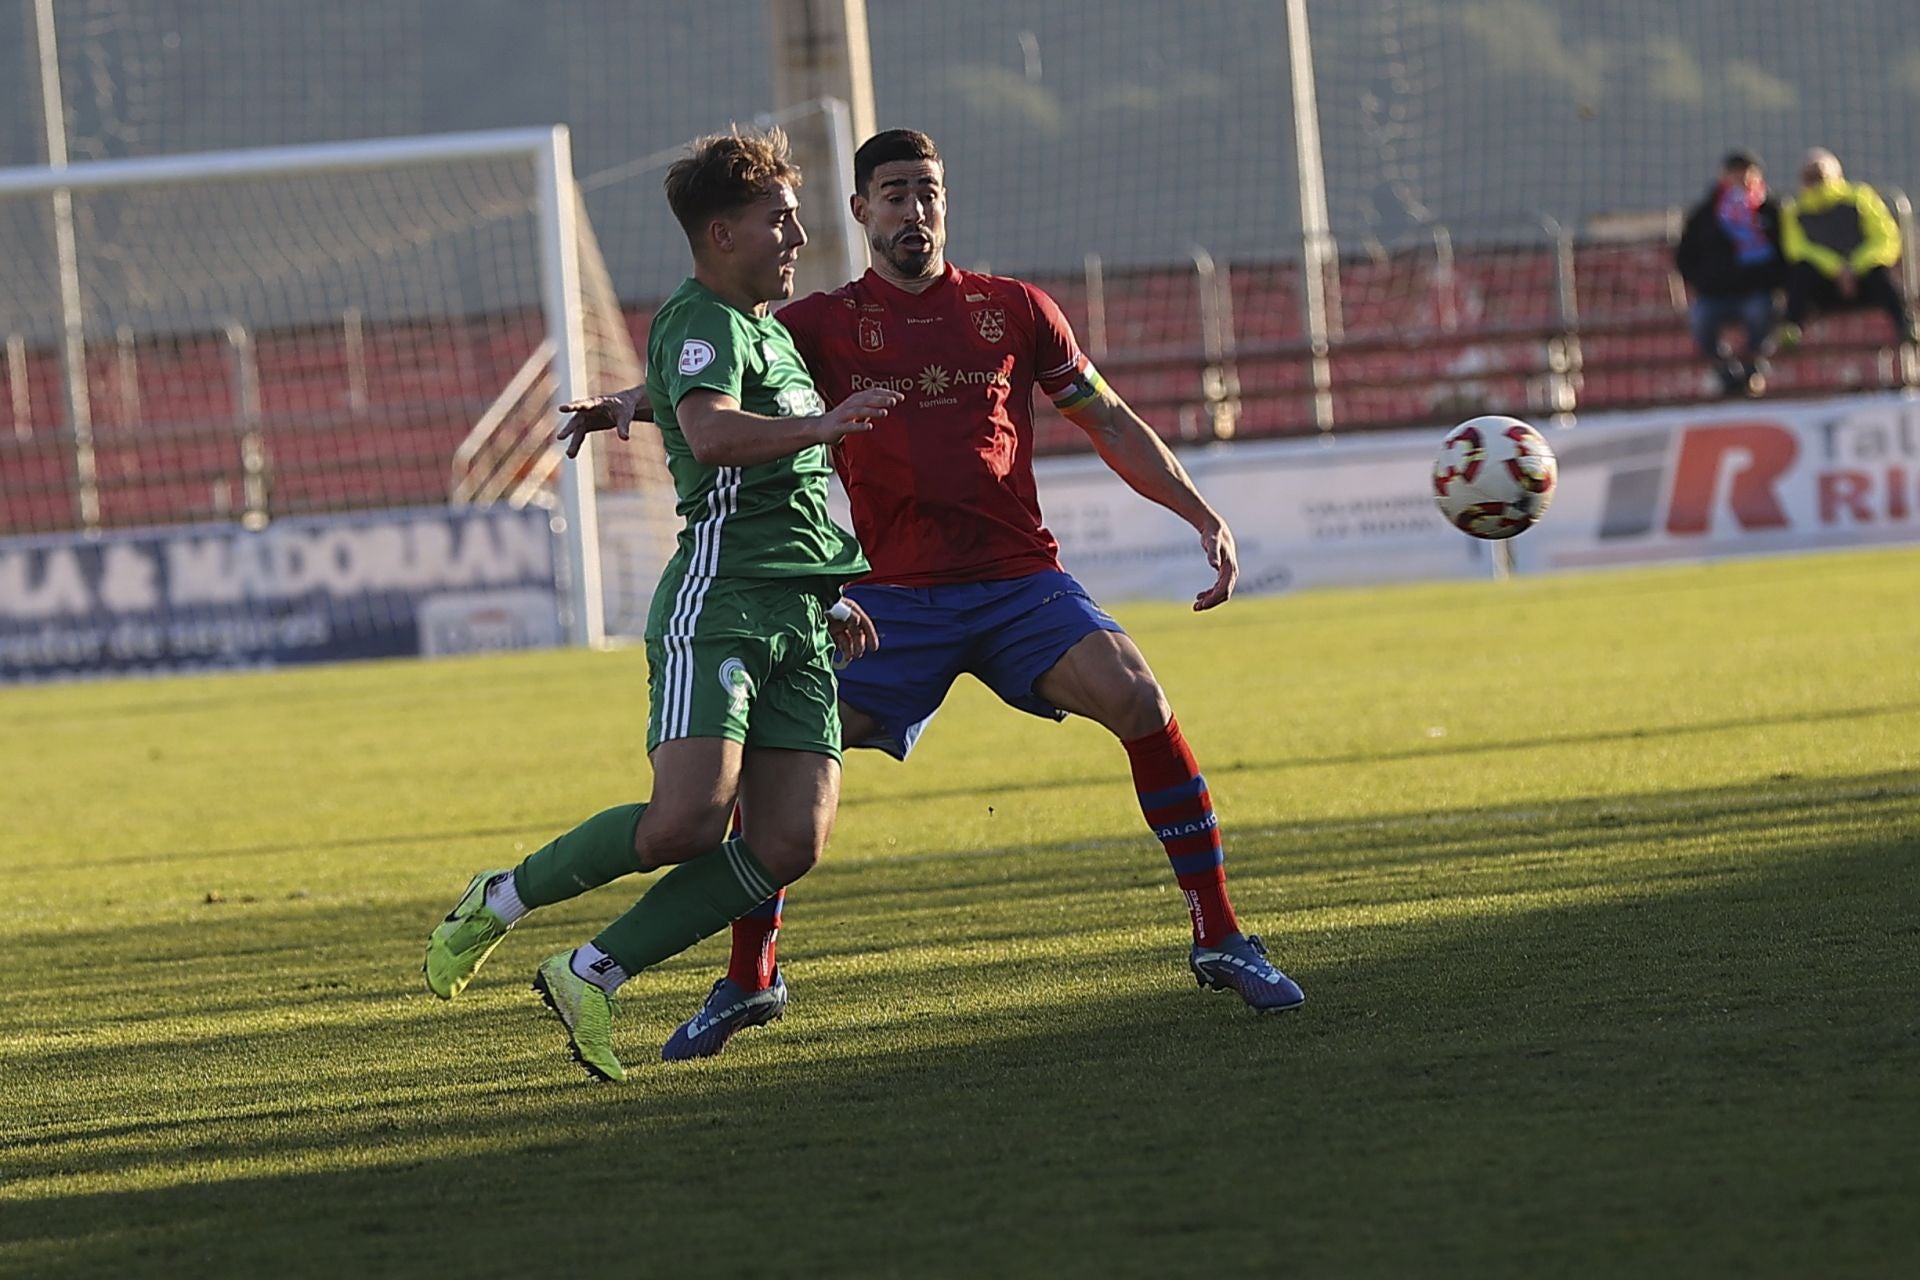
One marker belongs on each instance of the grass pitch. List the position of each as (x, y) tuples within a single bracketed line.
[(1605, 892)]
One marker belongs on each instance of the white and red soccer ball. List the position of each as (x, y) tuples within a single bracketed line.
[(1494, 476)]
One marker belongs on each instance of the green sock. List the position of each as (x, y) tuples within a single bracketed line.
[(596, 852), (694, 900)]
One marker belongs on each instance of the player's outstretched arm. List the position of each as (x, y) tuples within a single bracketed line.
[(615, 412), (722, 434), (1137, 455)]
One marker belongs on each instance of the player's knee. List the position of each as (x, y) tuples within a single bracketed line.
[(665, 836), (1139, 707), (786, 857)]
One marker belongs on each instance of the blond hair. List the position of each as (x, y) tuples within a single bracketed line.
[(723, 173)]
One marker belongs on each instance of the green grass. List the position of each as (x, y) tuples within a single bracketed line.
[(1605, 891)]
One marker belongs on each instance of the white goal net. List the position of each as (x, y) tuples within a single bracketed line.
[(271, 339)]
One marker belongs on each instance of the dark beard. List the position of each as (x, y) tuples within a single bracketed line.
[(908, 265)]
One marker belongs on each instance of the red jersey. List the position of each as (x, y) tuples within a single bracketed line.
[(942, 489)]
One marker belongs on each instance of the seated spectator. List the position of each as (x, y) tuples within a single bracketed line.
[(1729, 255), (1841, 245)]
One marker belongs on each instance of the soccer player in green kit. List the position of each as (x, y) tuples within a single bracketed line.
[(744, 624)]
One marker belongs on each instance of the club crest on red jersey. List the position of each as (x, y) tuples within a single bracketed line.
[(871, 338), (990, 323)]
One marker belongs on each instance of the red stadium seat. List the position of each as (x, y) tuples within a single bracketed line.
[(1422, 337)]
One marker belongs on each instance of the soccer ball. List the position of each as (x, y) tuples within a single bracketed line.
[(1494, 476)]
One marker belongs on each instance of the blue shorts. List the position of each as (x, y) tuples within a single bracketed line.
[(1007, 634)]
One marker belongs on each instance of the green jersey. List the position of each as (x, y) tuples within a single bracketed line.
[(768, 520)]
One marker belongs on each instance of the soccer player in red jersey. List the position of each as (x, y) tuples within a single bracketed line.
[(965, 577)]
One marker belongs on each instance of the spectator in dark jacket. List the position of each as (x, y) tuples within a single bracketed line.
[(1730, 256)]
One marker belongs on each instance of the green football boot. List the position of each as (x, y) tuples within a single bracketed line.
[(587, 1013), (461, 943)]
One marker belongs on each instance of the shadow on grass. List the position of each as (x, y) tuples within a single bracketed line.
[(853, 798), (1711, 1073)]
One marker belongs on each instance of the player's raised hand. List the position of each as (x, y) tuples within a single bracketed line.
[(857, 412), (852, 630), (614, 412), (1224, 556)]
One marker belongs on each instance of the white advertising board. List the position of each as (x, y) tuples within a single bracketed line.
[(1638, 488), (1732, 480)]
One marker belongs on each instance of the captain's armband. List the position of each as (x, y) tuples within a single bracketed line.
[(1082, 394)]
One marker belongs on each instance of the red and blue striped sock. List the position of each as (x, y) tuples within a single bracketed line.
[(756, 935), (1175, 801)]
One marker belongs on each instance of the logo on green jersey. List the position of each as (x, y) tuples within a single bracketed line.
[(695, 355), (737, 681), (799, 402)]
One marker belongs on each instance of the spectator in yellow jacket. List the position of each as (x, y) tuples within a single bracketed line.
[(1841, 245)]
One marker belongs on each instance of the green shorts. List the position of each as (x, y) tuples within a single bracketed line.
[(743, 658)]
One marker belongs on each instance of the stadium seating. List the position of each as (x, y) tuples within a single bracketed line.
[(1420, 336)]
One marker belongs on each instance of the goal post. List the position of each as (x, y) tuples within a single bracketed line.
[(560, 287), (309, 331)]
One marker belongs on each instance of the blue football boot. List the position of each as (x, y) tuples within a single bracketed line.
[(1239, 963), (729, 1008)]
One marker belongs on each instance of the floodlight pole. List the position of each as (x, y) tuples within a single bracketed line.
[(823, 82), (73, 330)]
